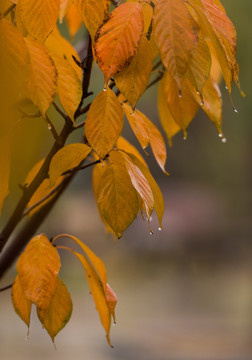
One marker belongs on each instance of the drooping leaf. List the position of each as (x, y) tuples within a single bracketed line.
[(98, 294), (147, 133), (111, 300), (158, 197), (69, 85), (117, 198), (58, 45), (93, 12), (63, 8), (134, 79), (41, 84), (5, 168), (38, 269), (21, 303), (176, 36), (66, 159), (123, 144), (73, 20), (39, 17), (182, 108), (58, 313), (104, 122), (141, 184), (169, 125), (116, 42)]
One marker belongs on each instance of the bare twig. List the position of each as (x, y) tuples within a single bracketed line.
[(60, 111), (6, 287), (52, 128)]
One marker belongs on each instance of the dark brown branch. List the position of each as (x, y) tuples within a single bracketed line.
[(60, 111), (52, 128), (154, 81), (83, 167), (9, 10), (6, 287)]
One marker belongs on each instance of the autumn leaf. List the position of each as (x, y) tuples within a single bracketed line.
[(59, 311), (41, 83), (117, 41), (38, 269), (39, 17), (123, 144), (176, 36), (104, 122), (66, 159), (111, 300), (73, 20), (5, 168), (21, 303), (117, 199), (134, 79)]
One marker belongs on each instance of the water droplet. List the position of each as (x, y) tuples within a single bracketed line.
[(114, 323), (224, 140), (105, 87), (198, 93), (235, 110), (150, 218), (151, 232), (49, 126), (26, 338), (180, 94), (132, 113), (202, 103), (221, 135), (159, 229), (185, 135), (226, 87)]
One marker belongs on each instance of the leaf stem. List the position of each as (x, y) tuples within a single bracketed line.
[(9, 10), (6, 287), (56, 107)]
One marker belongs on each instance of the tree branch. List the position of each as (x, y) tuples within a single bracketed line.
[(9, 10)]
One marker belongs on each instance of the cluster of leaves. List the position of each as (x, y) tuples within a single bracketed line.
[(185, 45)]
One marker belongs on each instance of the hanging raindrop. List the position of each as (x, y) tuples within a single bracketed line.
[(159, 229), (224, 140), (235, 110), (180, 93), (49, 126)]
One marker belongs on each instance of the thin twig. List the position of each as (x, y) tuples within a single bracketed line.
[(156, 65), (84, 110), (52, 128), (154, 81), (78, 168), (9, 10), (60, 111), (6, 287)]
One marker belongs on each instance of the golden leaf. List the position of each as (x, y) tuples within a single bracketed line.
[(21, 303), (5, 168), (73, 20)]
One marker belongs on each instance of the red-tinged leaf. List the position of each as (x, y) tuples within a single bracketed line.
[(123, 144), (38, 269), (66, 159), (134, 79), (168, 123), (104, 122), (98, 294), (176, 36), (111, 300), (69, 86), (73, 20), (21, 303), (5, 168), (95, 260), (58, 45), (117, 41), (140, 184), (182, 108), (93, 12), (39, 17), (59, 311), (42, 80), (147, 133), (158, 197), (117, 198), (199, 65)]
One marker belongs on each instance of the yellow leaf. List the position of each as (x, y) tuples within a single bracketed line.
[(123, 144), (93, 12), (104, 122), (59, 311), (19, 22), (39, 17), (168, 123), (42, 79), (5, 168), (98, 294), (63, 8), (176, 36), (66, 159), (69, 85), (38, 269), (147, 133), (158, 197), (117, 198), (182, 108), (134, 79), (21, 303), (73, 20), (140, 184), (58, 45), (117, 41)]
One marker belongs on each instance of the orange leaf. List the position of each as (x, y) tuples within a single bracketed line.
[(39, 17), (134, 79), (63, 8), (93, 12), (73, 20), (38, 269), (66, 159), (117, 199), (59, 311), (104, 122), (117, 41), (123, 144), (42, 80), (176, 36), (21, 303), (111, 300)]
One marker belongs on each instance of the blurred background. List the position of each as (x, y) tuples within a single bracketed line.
[(184, 293)]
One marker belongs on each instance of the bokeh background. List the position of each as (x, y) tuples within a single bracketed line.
[(184, 293)]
